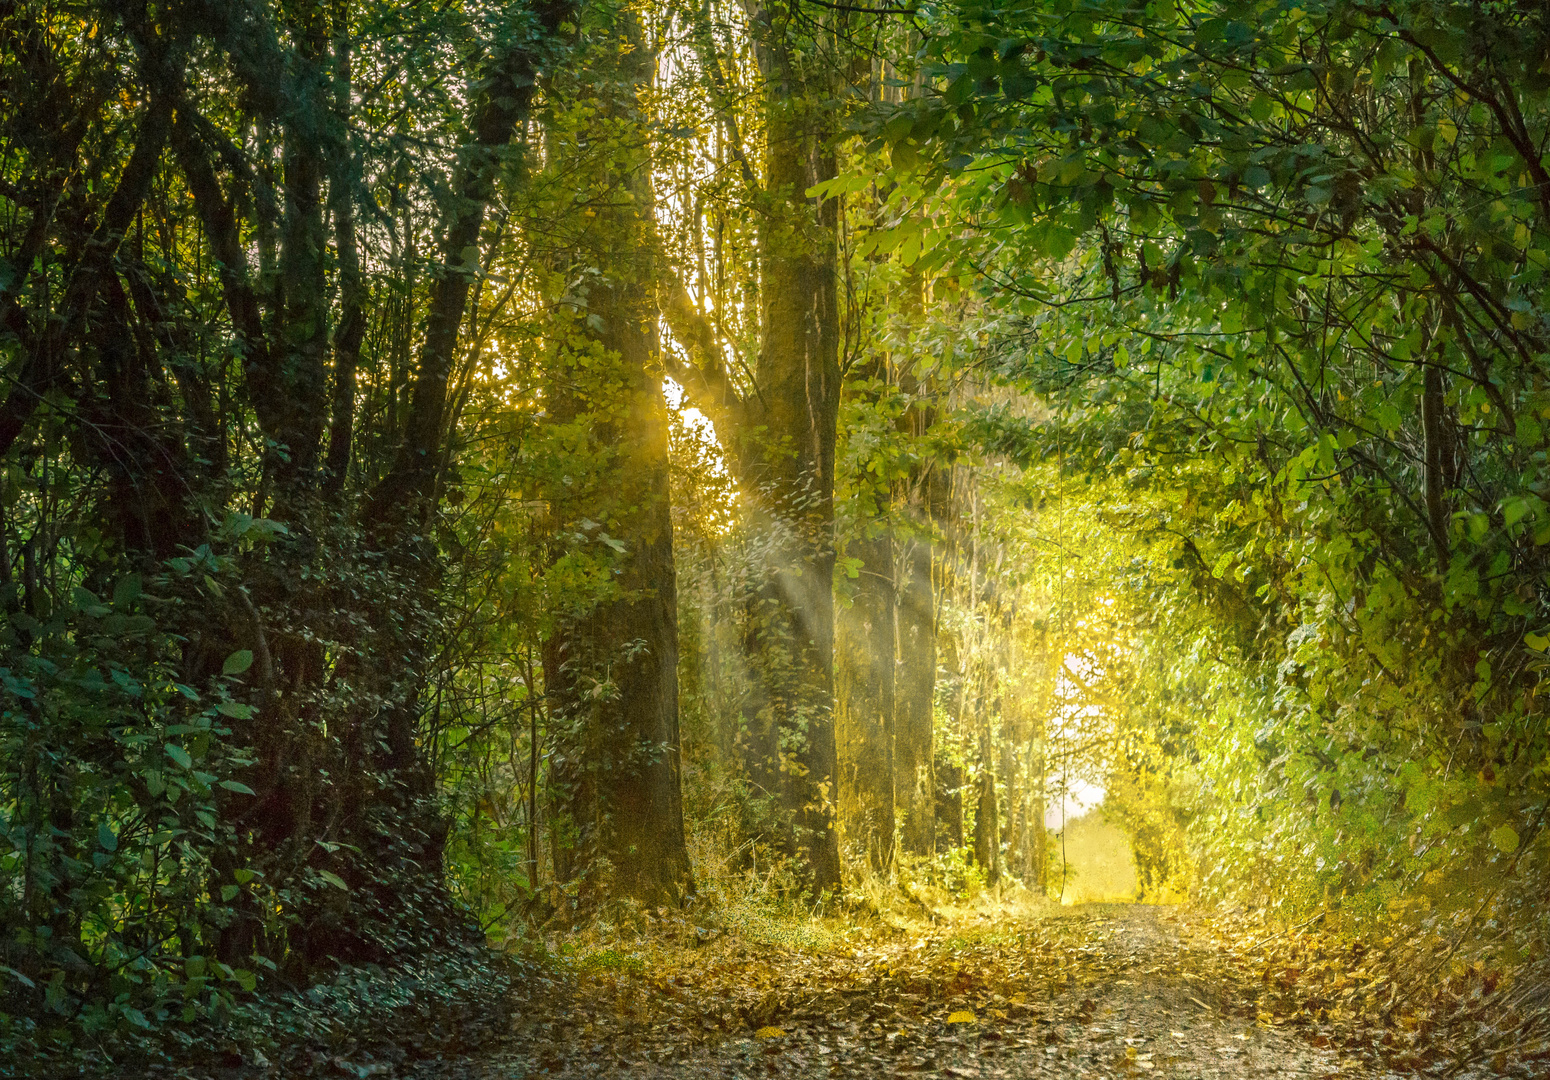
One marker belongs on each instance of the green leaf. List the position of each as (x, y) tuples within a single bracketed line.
[(18, 976), (106, 838), (179, 755), (238, 662), (127, 591), (1514, 510), (333, 879), (235, 709), (237, 786), (1505, 837)]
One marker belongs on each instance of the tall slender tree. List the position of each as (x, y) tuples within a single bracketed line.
[(782, 430), (611, 667), (923, 502), (865, 644)]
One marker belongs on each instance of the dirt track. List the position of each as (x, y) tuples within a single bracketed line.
[(1098, 991)]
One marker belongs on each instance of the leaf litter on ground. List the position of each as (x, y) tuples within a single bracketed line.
[(1002, 990)]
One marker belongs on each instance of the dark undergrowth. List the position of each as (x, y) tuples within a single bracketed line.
[(364, 1020)]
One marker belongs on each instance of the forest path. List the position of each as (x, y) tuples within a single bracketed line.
[(1104, 991)]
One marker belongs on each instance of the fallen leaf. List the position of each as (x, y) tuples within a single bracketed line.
[(963, 1016), (769, 1033)]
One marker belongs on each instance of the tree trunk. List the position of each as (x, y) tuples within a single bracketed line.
[(1009, 773), (915, 689), (789, 474), (987, 821), (612, 671), (623, 761), (497, 117), (780, 439), (352, 295), (915, 680), (864, 706), (1434, 432), (949, 805), (1036, 854), (948, 794)]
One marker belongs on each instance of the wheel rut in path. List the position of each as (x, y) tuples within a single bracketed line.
[(1097, 992)]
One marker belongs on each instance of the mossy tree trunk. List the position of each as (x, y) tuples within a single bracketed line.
[(611, 665)]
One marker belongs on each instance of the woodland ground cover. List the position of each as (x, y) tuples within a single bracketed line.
[(470, 469), (1005, 986)]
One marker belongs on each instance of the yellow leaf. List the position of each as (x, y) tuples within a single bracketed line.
[(997, 1013), (962, 1016), (769, 1033), (1266, 1018)]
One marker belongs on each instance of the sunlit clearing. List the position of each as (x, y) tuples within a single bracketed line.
[(1080, 796), (1097, 863), (1074, 724)]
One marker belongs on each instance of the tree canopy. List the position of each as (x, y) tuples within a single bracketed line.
[(472, 466)]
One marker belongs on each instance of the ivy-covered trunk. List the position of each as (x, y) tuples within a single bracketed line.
[(611, 664)]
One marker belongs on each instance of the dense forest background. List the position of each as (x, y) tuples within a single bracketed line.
[(467, 466)]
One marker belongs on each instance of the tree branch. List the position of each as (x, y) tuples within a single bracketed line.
[(721, 95), (705, 377), (40, 372), (502, 108)]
